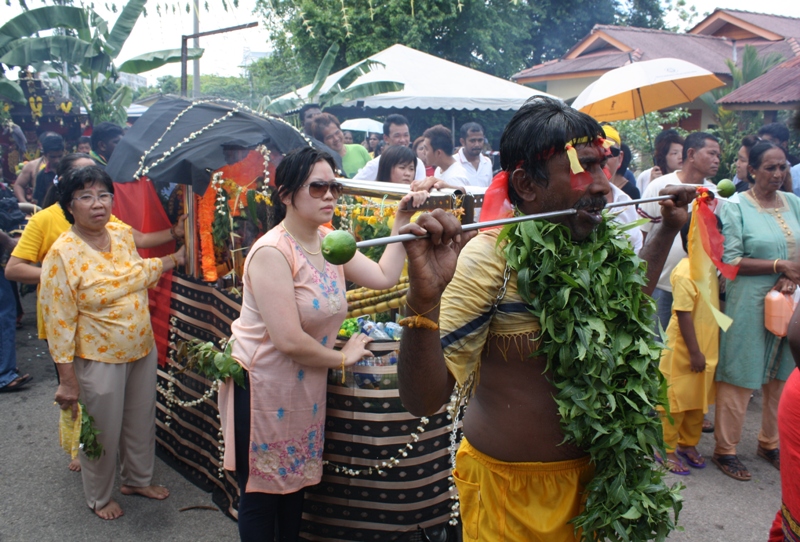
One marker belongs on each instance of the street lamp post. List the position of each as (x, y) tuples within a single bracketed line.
[(185, 48)]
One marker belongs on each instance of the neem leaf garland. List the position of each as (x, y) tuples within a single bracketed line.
[(603, 361)]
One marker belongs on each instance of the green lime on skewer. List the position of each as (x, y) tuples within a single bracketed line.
[(338, 247), (726, 188)]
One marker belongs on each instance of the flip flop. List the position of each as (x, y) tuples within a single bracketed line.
[(16, 384), (675, 467), (699, 462), (708, 426)]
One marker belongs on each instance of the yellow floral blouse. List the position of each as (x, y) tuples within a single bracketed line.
[(95, 303)]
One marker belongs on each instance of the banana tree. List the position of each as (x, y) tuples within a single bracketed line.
[(87, 49), (341, 90)]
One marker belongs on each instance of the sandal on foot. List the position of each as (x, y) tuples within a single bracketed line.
[(708, 426), (697, 461), (16, 384), (772, 456), (675, 467), (731, 466)]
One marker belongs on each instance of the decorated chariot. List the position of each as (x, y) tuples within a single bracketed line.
[(387, 474)]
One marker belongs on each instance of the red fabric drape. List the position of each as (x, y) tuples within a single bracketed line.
[(137, 205), (713, 240)]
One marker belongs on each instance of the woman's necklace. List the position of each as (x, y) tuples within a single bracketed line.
[(91, 243), (774, 201), (310, 253)]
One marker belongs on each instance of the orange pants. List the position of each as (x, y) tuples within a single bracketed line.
[(519, 502), (685, 430)]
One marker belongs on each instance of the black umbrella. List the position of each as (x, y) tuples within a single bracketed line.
[(166, 126)]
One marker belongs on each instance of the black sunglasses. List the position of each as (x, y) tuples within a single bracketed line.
[(318, 189), (614, 151)]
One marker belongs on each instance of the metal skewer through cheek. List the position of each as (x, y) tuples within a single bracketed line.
[(501, 222)]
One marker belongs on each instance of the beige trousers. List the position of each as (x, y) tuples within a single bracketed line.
[(122, 400), (731, 407)]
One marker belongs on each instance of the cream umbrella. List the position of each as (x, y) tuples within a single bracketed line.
[(641, 87)]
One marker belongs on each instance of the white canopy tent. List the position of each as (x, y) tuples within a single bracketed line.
[(433, 83)]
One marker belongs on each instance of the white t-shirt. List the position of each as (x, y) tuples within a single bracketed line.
[(476, 177), (626, 215), (370, 171), (643, 180), (653, 209), (454, 175)]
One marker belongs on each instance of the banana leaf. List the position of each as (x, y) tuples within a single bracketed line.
[(124, 26), (11, 91), (323, 71), (25, 52), (31, 22), (156, 59)]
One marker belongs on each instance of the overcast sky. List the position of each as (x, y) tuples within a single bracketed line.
[(224, 53)]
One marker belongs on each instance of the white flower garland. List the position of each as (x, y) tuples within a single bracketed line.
[(143, 171), (383, 466)]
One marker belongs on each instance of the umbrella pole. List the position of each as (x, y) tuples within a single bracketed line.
[(646, 127)]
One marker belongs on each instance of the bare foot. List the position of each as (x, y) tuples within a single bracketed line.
[(110, 511), (75, 465), (151, 492)]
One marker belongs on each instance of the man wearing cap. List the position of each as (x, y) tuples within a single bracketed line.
[(616, 157), (517, 478), (624, 215)]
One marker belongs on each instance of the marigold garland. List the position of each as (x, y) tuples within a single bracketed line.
[(206, 210)]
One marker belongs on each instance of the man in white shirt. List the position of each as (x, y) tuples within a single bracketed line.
[(439, 142), (701, 155), (470, 155), (395, 132)]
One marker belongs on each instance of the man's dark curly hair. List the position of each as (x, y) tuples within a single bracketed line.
[(537, 132)]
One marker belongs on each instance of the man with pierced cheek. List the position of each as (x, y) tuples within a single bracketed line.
[(517, 478)]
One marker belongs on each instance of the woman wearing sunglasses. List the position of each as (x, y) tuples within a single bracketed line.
[(293, 305)]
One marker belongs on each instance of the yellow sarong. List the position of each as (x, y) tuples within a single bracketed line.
[(519, 502)]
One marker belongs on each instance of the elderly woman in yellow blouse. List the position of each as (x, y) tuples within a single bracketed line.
[(93, 295)]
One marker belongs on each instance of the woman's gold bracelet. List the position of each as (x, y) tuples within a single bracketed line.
[(174, 260), (775, 265), (343, 360), (172, 232)]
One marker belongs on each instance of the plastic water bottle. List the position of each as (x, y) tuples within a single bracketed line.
[(778, 309)]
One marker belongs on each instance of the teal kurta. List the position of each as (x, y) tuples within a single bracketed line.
[(750, 355)]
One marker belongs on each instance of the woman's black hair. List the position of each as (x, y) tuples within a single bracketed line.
[(78, 179), (626, 159), (394, 155), (758, 150), (67, 163), (664, 141), (539, 131), (290, 176)]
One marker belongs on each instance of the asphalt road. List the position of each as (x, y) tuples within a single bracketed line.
[(40, 500)]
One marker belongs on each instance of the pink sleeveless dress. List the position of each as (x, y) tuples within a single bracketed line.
[(287, 400)]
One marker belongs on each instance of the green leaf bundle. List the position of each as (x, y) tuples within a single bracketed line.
[(208, 360), (88, 438), (603, 361)]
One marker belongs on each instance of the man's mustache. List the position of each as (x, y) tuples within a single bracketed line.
[(590, 202)]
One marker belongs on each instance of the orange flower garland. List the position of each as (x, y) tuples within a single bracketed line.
[(205, 218)]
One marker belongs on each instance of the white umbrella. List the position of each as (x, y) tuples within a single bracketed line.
[(641, 87), (363, 125)]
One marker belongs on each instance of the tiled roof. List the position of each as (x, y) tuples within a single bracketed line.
[(787, 27), (780, 86), (707, 52)]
